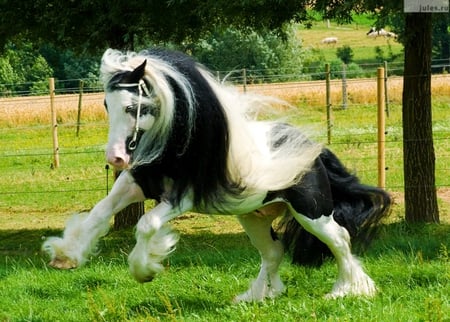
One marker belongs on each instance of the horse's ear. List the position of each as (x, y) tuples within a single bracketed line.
[(137, 74)]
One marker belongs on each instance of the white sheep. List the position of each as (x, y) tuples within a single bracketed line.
[(330, 40)]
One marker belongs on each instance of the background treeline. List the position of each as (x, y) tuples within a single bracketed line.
[(25, 66)]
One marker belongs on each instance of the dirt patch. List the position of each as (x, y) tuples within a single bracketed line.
[(443, 194)]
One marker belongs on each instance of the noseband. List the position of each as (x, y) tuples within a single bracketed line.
[(142, 88)]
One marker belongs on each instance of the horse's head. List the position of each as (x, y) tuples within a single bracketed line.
[(148, 94), (132, 109), (372, 29)]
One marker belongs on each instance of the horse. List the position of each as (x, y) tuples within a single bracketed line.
[(374, 33), (180, 137)]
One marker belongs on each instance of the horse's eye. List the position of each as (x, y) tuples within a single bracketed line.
[(129, 109)]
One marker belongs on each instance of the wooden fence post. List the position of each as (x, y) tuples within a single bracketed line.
[(344, 86), (51, 83), (381, 128), (386, 96), (80, 97), (107, 178), (328, 101)]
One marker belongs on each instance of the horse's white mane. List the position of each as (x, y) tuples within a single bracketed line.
[(156, 72)]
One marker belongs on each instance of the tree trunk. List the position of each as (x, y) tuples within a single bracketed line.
[(129, 216), (419, 159)]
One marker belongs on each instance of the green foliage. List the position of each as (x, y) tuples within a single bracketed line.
[(267, 55), (23, 69), (389, 57), (93, 25), (345, 53), (353, 70), (71, 67), (7, 74)]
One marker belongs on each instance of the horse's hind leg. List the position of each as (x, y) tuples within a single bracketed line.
[(352, 280), (258, 227)]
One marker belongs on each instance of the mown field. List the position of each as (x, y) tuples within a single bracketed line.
[(214, 260)]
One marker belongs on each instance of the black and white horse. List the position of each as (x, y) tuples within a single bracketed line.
[(194, 145), (374, 33)]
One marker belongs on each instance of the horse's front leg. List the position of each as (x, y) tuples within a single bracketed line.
[(83, 232), (155, 240)]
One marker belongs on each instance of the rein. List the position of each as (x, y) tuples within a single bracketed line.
[(142, 88)]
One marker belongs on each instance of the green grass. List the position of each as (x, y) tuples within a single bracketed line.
[(410, 264), (214, 260), (355, 37), (28, 177), (28, 184)]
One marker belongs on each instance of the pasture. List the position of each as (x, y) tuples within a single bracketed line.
[(352, 35), (214, 259)]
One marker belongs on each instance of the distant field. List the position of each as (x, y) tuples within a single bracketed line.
[(20, 111), (353, 35)]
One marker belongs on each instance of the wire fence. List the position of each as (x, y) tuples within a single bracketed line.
[(27, 169)]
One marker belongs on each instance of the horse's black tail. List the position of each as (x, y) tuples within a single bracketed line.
[(357, 207)]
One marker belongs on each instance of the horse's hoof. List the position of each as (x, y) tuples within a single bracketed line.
[(62, 263), (145, 279)]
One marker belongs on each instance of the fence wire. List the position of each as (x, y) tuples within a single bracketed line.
[(26, 168)]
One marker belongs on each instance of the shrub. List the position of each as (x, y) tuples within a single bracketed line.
[(345, 53)]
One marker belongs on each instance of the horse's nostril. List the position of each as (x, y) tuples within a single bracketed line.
[(117, 162)]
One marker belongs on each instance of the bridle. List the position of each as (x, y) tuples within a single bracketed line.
[(142, 88)]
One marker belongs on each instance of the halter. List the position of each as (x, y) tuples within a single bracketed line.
[(141, 88)]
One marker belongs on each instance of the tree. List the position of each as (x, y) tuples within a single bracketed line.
[(23, 69), (419, 159), (269, 57), (93, 25)]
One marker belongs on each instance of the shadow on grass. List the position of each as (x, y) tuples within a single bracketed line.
[(431, 241), (23, 242), (207, 248)]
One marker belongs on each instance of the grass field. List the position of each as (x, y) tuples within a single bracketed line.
[(355, 37), (214, 259)]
